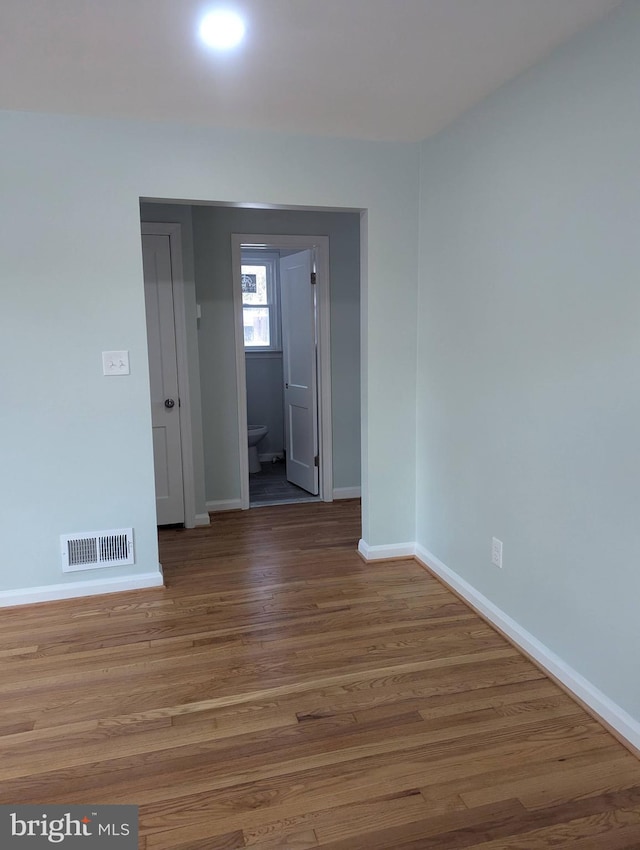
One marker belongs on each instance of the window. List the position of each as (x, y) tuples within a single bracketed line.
[(260, 314)]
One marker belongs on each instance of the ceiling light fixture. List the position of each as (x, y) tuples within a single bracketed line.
[(222, 29)]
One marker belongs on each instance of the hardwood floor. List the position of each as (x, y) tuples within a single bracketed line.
[(282, 693)]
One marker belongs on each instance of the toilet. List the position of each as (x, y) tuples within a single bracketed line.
[(255, 435)]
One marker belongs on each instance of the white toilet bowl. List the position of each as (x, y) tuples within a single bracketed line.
[(255, 435)]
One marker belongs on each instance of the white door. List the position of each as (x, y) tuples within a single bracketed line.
[(297, 295), (163, 373)]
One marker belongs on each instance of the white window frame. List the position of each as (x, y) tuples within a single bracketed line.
[(271, 261)]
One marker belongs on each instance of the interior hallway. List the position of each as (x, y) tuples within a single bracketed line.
[(281, 692)]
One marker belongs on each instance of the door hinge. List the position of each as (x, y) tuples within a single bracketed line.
[(313, 279), (316, 460)]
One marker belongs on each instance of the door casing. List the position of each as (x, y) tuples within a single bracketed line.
[(320, 245)]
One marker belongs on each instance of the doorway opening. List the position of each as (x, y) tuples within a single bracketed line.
[(210, 405), (281, 301)]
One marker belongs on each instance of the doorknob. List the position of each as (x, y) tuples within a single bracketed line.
[(169, 403)]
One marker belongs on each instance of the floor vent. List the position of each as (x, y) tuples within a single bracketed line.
[(91, 550)]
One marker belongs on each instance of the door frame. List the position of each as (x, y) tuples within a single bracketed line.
[(174, 232), (320, 246)]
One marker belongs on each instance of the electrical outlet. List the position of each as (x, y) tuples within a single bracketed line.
[(496, 552)]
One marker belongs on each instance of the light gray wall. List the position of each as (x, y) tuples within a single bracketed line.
[(212, 227), (181, 214), (529, 352), (265, 399), (76, 451)]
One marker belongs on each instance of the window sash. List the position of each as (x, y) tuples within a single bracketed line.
[(254, 331), (257, 330)]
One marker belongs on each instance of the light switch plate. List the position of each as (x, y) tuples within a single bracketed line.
[(115, 362)]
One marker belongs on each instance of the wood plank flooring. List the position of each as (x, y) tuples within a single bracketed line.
[(281, 693)]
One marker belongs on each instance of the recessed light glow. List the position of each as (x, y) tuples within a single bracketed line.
[(222, 29)]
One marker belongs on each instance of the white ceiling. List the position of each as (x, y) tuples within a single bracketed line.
[(375, 69)]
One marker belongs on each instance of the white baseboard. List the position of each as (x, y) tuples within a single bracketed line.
[(224, 505), (346, 492), (74, 589), (619, 721), (267, 457), (202, 519), (386, 553), (616, 718)]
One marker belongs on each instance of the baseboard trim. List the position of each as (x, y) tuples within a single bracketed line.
[(386, 553), (224, 505), (202, 519), (621, 724), (347, 492), (75, 589), (612, 716), (268, 457)]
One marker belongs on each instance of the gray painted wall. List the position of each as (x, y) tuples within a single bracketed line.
[(529, 352), (212, 229), (265, 399)]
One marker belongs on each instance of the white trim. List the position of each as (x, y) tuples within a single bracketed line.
[(262, 354), (320, 246), (203, 519), (325, 415), (241, 375), (386, 553), (226, 504), (271, 262), (622, 723), (268, 457), (74, 589), (174, 232), (346, 492)]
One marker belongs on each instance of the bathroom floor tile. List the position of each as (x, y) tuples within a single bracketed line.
[(271, 487)]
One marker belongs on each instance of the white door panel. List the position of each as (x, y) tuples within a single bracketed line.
[(299, 365), (163, 375)]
